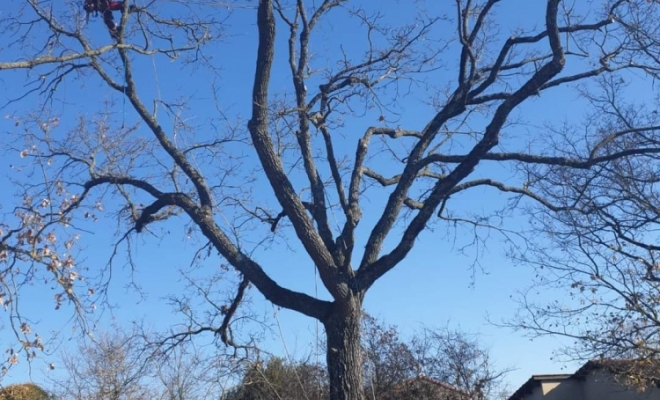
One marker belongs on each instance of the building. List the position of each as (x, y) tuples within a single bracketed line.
[(595, 380)]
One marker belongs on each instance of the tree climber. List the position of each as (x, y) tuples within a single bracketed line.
[(106, 7)]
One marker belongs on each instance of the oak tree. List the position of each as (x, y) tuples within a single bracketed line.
[(326, 131)]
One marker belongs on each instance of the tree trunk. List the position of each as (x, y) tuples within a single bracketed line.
[(344, 355)]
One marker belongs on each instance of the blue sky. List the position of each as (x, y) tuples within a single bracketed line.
[(434, 286)]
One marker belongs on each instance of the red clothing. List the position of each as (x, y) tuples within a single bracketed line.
[(115, 5), (105, 7)]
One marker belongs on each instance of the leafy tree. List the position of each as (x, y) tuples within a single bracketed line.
[(466, 72)]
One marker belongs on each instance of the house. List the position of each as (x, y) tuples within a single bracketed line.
[(595, 380)]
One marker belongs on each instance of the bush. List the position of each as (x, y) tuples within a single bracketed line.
[(24, 391)]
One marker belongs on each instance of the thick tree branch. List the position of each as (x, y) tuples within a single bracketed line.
[(570, 162), (303, 134), (395, 202), (177, 155), (282, 187), (368, 272), (249, 268), (513, 41), (230, 311)]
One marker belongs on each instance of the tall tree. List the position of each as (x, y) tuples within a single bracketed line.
[(466, 72)]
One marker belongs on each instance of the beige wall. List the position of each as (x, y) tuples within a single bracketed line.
[(567, 389)]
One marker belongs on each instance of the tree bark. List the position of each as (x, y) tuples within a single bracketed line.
[(344, 355)]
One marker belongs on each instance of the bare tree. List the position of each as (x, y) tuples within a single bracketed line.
[(388, 359), (599, 255), (432, 359), (187, 372), (114, 366), (472, 79), (126, 365), (600, 248), (460, 360)]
